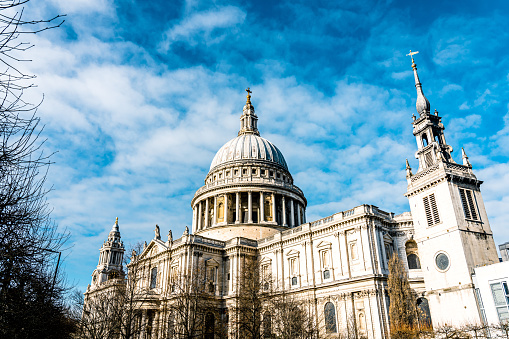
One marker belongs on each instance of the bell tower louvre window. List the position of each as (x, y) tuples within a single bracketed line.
[(467, 199), (430, 206)]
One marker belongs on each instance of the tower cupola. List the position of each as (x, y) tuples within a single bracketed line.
[(428, 130)]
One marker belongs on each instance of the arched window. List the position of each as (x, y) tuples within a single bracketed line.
[(424, 140), (413, 262), (412, 255), (153, 277), (330, 318), (424, 313), (209, 326)]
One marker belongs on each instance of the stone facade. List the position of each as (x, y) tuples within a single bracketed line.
[(250, 207)]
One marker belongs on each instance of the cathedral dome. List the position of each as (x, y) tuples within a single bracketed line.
[(249, 147)]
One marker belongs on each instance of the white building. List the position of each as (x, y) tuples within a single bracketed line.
[(250, 206), (492, 289)]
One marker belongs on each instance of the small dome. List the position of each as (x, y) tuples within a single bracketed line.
[(249, 147)]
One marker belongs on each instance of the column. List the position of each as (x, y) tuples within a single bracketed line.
[(292, 215), (200, 221), (237, 208), (262, 209), (226, 208), (214, 220), (155, 325), (206, 213), (250, 207), (194, 219), (284, 211), (273, 207), (143, 324), (298, 214)]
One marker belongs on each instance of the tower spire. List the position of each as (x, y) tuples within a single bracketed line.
[(422, 104), (248, 120)]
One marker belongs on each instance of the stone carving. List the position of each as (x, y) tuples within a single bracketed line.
[(157, 232)]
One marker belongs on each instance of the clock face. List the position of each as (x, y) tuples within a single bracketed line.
[(442, 261)]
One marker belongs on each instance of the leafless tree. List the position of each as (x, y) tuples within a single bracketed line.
[(31, 302), (263, 311), (192, 307), (112, 310)]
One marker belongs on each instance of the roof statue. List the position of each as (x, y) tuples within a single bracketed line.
[(157, 232), (170, 237)]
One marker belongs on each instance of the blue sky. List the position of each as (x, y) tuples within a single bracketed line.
[(139, 95)]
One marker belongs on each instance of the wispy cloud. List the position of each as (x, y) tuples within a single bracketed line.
[(198, 27)]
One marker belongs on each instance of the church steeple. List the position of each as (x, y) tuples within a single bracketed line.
[(110, 258), (428, 130), (248, 120)]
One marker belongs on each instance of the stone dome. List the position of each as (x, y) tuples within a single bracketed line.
[(249, 147)]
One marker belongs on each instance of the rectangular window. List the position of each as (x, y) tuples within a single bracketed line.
[(353, 250), (501, 298), (468, 201), (431, 209), (153, 278)]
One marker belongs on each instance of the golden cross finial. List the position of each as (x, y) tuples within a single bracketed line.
[(116, 221), (248, 95), (411, 54)]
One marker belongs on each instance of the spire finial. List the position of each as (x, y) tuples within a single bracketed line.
[(422, 104), (116, 221), (411, 54), (248, 101)]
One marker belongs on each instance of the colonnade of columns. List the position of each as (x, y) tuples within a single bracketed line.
[(248, 207)]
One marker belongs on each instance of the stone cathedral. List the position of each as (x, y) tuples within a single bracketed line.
[(250, 205)]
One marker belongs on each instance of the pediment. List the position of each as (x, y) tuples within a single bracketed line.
[(292, 253), (324, 244), (154, 247), (266, 260), (211, 262)]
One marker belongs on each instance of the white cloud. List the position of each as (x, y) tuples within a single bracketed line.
[(199, 25)]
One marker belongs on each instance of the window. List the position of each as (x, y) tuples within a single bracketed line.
[(430, 206), (413, 262), (294, 270), (153, 277), (244, 171), (481, 305), (412, 256), (227, 173), (330, 318), (267, 325), (254, 171), (424, 140), (271, 173), (325, 262), (236, 172), (501, 297), (353, 250), (467, 198), (442, 261), (220, 175)]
